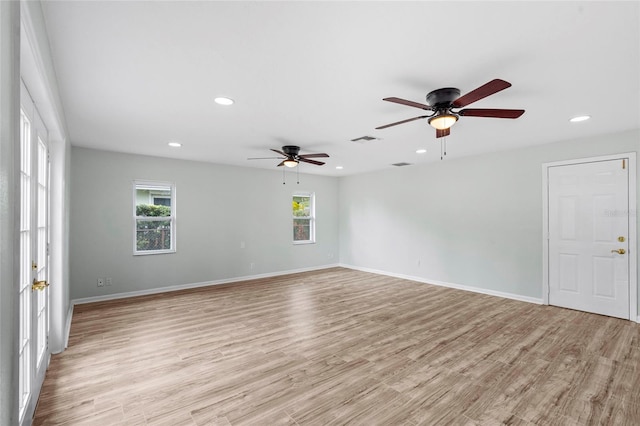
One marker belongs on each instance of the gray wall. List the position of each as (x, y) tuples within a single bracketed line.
[(474, 221), (9, 212), (217, 208)]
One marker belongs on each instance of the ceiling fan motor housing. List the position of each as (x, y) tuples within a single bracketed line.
[(291, 150), (442, 98)]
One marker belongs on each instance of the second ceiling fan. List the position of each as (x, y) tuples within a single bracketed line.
[(291, 156), (445, 103)]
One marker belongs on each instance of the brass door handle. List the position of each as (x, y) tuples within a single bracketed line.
[(619, 251), (39, 285)]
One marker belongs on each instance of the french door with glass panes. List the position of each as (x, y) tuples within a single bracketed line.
[(34, 257)]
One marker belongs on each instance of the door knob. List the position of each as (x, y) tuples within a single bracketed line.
[(619, 251), (39, 285)]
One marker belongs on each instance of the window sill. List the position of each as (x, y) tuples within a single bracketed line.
[(146, 253), (297, 243)]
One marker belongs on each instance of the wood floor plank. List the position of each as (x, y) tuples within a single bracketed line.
[(336, 347)]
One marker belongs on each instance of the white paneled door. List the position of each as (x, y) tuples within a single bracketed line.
[(589, 237), (33, 289)]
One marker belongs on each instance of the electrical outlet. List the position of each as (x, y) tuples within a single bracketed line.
[(109, 281), (100, 282), (252, 265)]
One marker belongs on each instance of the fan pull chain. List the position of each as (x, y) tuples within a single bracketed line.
[(283, 176), (443, 148), (298, 174)]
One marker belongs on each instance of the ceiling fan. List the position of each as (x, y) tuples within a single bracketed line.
[(445, 103), (290, 156)]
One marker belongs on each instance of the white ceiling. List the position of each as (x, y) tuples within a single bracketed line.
[(134, 76)]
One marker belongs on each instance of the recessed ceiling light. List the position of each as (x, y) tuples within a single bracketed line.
[(580, 118), (223, 101), (175, 144), (421, 151), (339, 167)]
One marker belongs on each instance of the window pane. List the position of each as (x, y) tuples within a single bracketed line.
[(301, 229), (161, 201), (153, 235), (301, 206), (153, 200)]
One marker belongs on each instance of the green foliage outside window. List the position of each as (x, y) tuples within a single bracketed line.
[(301, 206), (151, 210), (153, 234)]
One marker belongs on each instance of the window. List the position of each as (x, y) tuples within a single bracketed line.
[(303, 218), (154, 217)]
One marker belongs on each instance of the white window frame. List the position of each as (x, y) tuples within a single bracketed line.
[(172, 219), (311, 217)]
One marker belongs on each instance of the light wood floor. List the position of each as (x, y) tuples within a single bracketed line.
[(341, 347)]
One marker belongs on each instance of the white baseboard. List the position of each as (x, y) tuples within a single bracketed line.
[(67, 326), (537, 301), (167, 289)]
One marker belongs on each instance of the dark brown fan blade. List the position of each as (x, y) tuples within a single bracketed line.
[(408, 103), (281, 164), (492, 113), (494, 86), (400, 122), (317, 163), (442, 132), (279, 152), (322, 154)]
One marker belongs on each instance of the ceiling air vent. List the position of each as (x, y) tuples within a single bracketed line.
[(401, 164), (363, 139)]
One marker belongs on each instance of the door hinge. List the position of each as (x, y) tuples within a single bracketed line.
[(624, 163)]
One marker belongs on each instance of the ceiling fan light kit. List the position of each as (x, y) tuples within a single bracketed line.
[(290, 163), (443, 121)]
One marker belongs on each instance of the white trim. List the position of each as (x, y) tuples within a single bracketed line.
[(545, 234), (168, 289), (67, 326), (488, 292), (37, 69), (632, 238)]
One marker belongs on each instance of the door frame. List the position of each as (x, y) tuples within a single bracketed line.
[(633, 243)]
